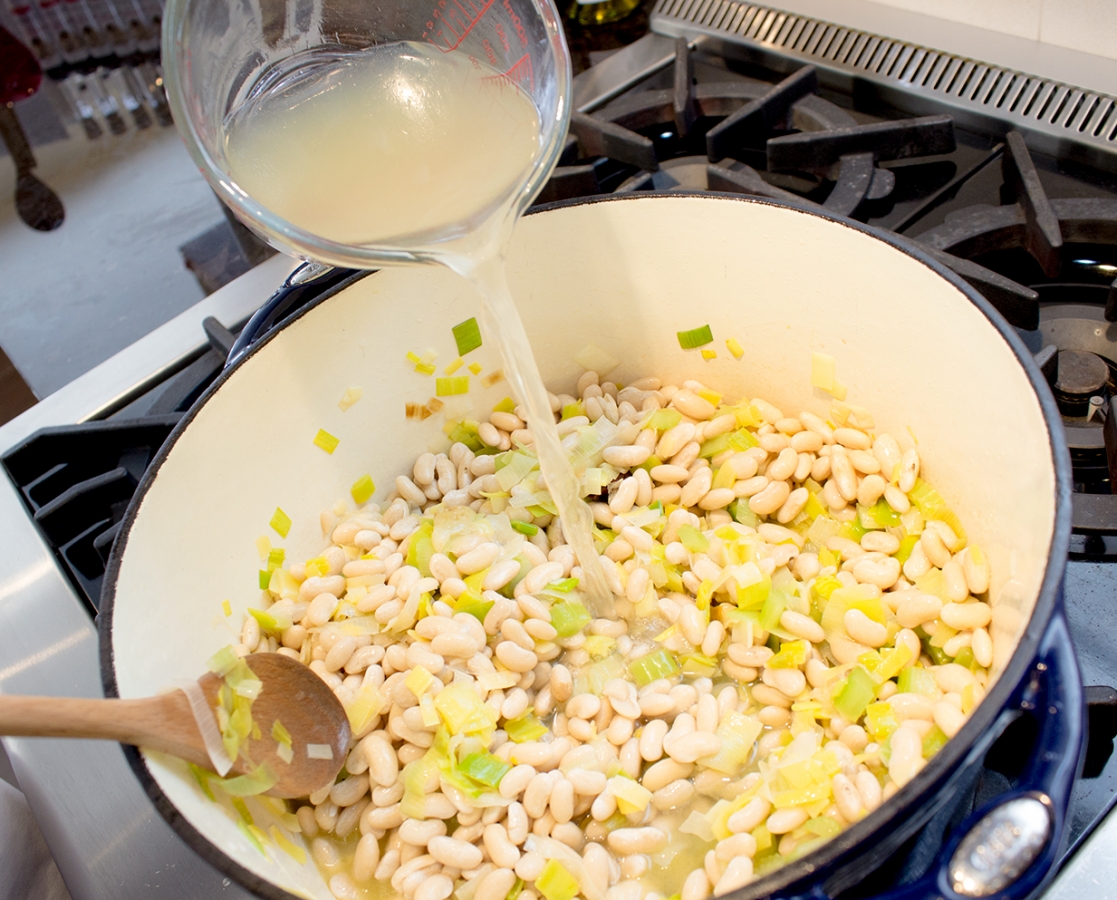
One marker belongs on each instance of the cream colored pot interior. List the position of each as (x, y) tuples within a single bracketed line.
[(626, 276)]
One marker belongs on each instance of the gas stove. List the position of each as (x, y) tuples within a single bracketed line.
[(956, 156)]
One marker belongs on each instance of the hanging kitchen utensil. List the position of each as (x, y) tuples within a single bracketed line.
[(20, 77)]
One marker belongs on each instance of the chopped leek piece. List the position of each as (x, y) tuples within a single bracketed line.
[(275, 558), (735, 348), (555, 883), (880, 721), (709, 354), (418, 680), (773, 608), (657, 664), (934, 741), (319, 751), (907, 544), (364, 708), (823, 371), (599, 646), (259, 780), (362, 489), (857, 692), (463, 711), (484, 768), (695, 337), (263, 579), (631, 795), (227, 608), (700, 665), (917, 681), (351, 396), (223, 661), (464, 433), (326, 441), (280, 734), (506, 405), (792, 655), (565, 586), (269, 623), (693, 539), (569, 617), (263, 547), (662, 419), (285, 844), (467, 335), (966, 658), (473, 603), (421, 548), (738, 734), (755, 596), (525, 527), (573, 410), (452, 367), (475, 368), (526, 728), (711, 397), (202, 777), (450, 387), (280, 522), (426, 368), (516, 890)]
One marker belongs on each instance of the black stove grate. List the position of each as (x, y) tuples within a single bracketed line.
[(77, 480)]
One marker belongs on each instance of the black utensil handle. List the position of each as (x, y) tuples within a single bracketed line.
[(12, 132)]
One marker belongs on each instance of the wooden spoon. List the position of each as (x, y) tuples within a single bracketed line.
[(291, 693)]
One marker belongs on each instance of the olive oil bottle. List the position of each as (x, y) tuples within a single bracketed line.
[(600, 12)]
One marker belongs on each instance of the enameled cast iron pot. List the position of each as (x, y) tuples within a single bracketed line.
[(914, 344)]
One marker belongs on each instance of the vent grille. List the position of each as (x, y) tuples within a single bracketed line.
[(1055, 118)]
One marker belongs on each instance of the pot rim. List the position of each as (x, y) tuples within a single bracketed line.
[(907, 810)]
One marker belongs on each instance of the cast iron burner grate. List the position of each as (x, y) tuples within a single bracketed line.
[(1064, 251), (77, 480)]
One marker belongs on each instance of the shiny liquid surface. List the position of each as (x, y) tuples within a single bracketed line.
[(400, 144)]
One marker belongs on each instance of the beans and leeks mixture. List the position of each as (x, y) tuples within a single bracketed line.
[(800, 625)]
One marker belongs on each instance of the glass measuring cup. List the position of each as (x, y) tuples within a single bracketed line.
[(448, 57)]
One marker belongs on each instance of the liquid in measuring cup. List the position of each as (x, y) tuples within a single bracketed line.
[(375, 145), (411, 146)]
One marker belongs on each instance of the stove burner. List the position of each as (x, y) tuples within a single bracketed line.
[(1081, 376), (739, 125)]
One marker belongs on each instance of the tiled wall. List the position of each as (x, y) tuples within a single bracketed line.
[(1086, 25)]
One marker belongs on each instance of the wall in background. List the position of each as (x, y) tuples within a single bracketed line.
[(1086, 25)]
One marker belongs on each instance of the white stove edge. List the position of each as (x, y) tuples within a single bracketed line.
[(88, 803), (1074, 67)]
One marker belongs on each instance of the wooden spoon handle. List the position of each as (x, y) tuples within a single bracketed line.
[(164, 722)]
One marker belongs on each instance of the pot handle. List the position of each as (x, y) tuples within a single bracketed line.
[(308, 281), (1007, 847)]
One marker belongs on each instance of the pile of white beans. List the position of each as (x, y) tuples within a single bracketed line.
[(558, 798)]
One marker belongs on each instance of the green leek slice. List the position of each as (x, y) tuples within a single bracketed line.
[(363, 488), (525, 527), (856, 694), (526, 728), (569, 617), (467, 335), (451, 386), (655, 665), (695, 337), (555, 883), (280, 522), (326, 441)]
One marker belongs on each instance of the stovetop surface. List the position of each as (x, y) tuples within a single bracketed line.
[(105, 834)]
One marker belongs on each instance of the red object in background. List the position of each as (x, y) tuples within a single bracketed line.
[(20, 75)]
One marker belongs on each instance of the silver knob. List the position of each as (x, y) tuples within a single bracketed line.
[(1000, 847)]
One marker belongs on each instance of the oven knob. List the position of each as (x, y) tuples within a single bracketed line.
[(1000, 847)]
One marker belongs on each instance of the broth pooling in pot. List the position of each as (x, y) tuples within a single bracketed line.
[(802, 625)]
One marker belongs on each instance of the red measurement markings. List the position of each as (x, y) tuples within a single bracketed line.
[(452, 20), (521, 73)]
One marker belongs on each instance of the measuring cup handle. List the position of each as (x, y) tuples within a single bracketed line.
[(308, 282)]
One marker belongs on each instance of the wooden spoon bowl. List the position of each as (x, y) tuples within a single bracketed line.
[(291, 693)]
